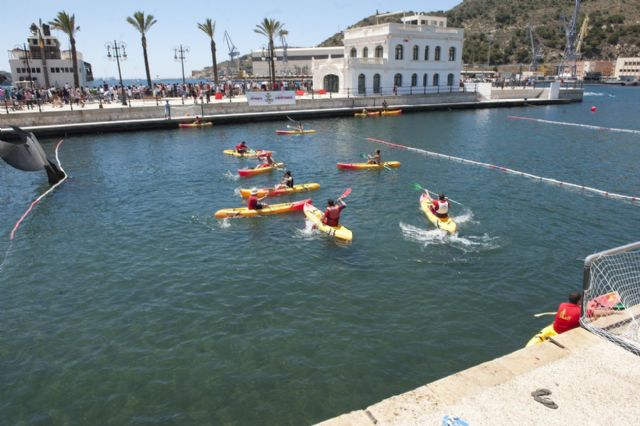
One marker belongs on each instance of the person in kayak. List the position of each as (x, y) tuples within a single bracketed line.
[(286, 181), (440, 207), (253, 202), (568, 315), (332, 213), (242, 148), (197, 120), (267, 161), (385, 105), (375, 158)]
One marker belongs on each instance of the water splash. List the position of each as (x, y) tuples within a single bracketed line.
[(230, 176), (593, 94), (224, 223), (465, 217), (309, 232), (432, 236), (236, 191)]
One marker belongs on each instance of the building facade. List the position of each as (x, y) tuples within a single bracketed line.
[(292, 61), (419, 54), (627, 69), (42, 62)]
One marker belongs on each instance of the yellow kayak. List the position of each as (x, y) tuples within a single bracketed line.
[(391, 112), (202, 124), (446, 224), (367, 166), (272, 192), (248, 154), (314, 215), (268, 210), (542, 335), (295, 132)]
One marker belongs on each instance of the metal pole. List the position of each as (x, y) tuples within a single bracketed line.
[(124, 96), (26, 58)]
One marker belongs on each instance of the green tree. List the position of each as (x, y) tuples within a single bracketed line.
[(67, 24), (209, 28), (143, 23), (270, 28)]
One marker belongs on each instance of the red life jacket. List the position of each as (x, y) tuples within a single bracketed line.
[(332, 215), (252, 202), (241, 147), (567, 317)]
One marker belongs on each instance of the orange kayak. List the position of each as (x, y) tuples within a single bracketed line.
[(271, 192), (267, 210), (391, 112), (367, 166), (259, 170), (188, 125)]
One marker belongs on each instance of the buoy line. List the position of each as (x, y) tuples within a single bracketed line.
[(566, 123), (510, 171), (34, 203)]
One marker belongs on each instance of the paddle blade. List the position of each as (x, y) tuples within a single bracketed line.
[(346, 193), (417, 186)]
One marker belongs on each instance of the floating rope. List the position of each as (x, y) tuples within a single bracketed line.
[(565, 123), (33, 204), (510, 171)]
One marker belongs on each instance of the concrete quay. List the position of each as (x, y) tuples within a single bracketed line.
[(592, 381), (143, 116)]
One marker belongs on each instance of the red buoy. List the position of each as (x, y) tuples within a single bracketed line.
[(593, 109)]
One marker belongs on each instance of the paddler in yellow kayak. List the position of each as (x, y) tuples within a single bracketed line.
[(332, 213), (375, 158), (286, 181), (253, 202), (242, 148), (439, 207)]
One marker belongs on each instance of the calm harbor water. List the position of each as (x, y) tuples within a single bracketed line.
[(125, 301)]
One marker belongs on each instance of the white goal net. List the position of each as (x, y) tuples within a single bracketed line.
[(611, 301)]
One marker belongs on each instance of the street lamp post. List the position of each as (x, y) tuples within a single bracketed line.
[(117, 51), (179, 55)]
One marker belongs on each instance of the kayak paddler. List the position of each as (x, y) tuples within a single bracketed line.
[(242, 148), (253, 203), (332, 213), (286, 181), (197, 120), (267, 161), (439, 207), (375, 158)]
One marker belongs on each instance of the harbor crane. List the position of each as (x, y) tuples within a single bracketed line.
[(233, 53), (536, 55), (582, 35), (570, 43)]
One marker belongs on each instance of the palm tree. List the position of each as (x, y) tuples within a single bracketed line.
[(143, 23), (209, 28), (67, 24), (270, 28)]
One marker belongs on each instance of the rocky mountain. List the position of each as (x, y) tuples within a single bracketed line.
[(612, 29)]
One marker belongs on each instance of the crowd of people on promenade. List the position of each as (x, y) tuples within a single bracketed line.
[(29, 98)]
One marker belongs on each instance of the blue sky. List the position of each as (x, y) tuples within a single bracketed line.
[(308, 24)]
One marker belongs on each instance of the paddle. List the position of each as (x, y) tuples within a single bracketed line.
[(345, 194), (367, 157), (298, 124), (419, 187), (543, 314)]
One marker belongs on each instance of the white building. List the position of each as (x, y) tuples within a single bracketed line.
[(296, 62), (420, 54), (627, 69), (30, 63)]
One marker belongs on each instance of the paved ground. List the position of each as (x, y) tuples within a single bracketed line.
[(593, 382)]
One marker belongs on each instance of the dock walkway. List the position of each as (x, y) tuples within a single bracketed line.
[(592, 381)]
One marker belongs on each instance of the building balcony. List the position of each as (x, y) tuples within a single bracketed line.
[(352, 62)]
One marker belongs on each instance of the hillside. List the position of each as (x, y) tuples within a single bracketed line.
[(613, 29)]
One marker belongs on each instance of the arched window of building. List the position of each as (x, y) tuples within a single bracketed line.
[(436, 79), (399, 52), (365, 52), (397, 80), (376, 83), (414, 80), (379, 51), (426, 53), (415, 53), (450, 80), (361, 84), (354, 52), (436, 54), (425, 80), (452, 53)]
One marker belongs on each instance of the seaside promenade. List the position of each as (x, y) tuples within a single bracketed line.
[(149, 113)]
